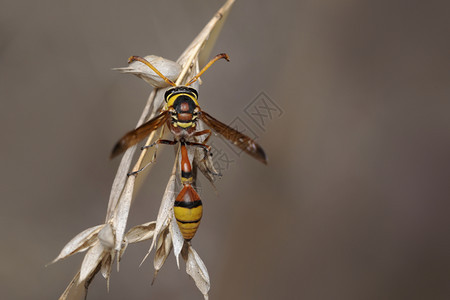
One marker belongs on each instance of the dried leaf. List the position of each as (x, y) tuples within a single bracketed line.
[(74, 290), (106, 266), (123, 208), (197, 270), (162, 250), (203, 43), (122, 251), (169, 68), (91, 261), (119, 181), (205, 164), (123, 186), (166, 208), (80, 242), (213, 29), (149, 111), (141, 232), (106, 237), (177, 239)]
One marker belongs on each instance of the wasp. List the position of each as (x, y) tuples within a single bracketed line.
[(181, 114), (188, 207)]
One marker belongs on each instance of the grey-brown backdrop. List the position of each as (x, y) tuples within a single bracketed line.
[(353, 203)]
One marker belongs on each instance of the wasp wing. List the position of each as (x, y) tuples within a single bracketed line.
[(240, 140), (135, 136)]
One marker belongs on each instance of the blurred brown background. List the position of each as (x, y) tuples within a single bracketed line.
[(353, 203)]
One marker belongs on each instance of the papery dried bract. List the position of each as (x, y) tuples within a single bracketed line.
[(166, 208), (106, 266), (141, 232), (196, 269), (122, 210), (169, 68), (120, 179), (80, 242), (154, 102), (200, 48), (74, 290), (99, 256), (163, 248), (205, 164), (106, 237), (91, 261), (177, 239)]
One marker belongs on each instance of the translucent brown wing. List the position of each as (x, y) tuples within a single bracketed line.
[(240, 140), (135, 136)]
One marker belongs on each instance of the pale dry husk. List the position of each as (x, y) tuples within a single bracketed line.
[(106, 242)]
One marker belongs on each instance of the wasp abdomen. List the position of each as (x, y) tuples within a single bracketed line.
[(188, 210)]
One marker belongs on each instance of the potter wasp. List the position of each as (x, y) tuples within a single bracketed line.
[(181, 114), (188, 208)]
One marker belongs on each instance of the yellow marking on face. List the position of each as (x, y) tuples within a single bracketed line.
[(171, 99)]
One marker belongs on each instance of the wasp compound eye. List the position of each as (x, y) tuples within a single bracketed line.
[(168, 93)]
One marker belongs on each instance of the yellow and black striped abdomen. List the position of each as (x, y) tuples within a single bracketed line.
[(188, 210)]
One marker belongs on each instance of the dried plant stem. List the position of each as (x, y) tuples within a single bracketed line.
[(188, 63), (107, 241), (121, 175), (168, 199), (138, 165)]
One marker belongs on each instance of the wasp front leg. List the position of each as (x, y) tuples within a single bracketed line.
[(160, 141), (157, 142)]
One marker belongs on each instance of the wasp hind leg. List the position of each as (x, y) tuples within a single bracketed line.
[(203, 132), (203, 145)]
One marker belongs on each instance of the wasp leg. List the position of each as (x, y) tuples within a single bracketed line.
[(160, 141), (203, 132), (157, 142), (141, 169), (204, 146)]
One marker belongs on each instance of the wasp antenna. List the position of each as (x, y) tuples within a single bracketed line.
[(144, 61), (216, 58)]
